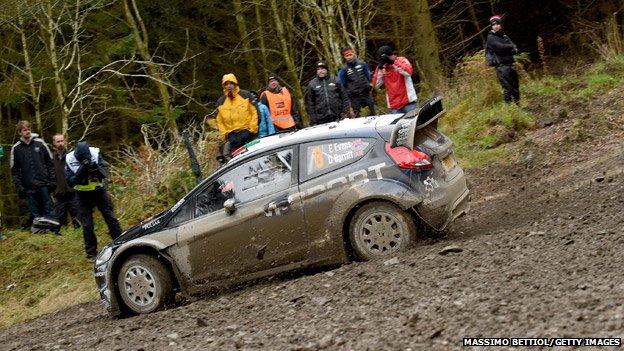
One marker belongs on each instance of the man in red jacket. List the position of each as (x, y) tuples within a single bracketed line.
[(395, 73)]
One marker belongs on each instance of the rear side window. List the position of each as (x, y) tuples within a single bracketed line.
[(322, 157)]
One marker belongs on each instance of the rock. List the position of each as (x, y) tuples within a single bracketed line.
[(201, 323), (392, 261), (326, 341), (231, 327), (569, 242), (173, 336), (321, 301), (330, 274), (11, 286), (436, 333), (450, 249), (172, 343), (599, 179), (412, 319)]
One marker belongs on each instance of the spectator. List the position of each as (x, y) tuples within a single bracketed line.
[(356, 78), (500, 52), (86, 170), (281, 105), (237, 118), (395, 73), (33, 171), (265, 124), (326, 100), (64, 196)]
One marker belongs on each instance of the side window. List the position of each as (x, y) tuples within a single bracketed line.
[(325, 156), (252, 180), (184, 214)]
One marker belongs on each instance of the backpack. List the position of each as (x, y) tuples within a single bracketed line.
[(491, 58)]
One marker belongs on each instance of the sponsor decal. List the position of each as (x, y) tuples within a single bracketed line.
[(323, 156), (430, 184), (178, 204), (151, 224)]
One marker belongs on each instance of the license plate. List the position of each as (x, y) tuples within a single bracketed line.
[(448, 162)]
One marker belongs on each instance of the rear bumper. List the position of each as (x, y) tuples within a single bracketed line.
[(445, 201)]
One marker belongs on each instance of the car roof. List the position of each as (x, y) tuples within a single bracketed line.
[(346, 128)]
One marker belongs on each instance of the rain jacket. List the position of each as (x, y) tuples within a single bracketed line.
[(500, 44), (31, 164), (85, 169), (237, 112), (326, 100), (266, 126), (397, 78)]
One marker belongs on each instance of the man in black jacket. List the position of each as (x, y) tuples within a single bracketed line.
[(65, 198), (326, 100), (356, 78), (502, 49), (86, 170), (32, 171)]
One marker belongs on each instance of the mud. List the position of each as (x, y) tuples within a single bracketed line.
[(540, 255)]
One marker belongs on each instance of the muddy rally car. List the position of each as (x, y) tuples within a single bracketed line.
[(355, 189)]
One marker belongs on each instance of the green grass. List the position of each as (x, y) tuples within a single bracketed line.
[(42, 273)]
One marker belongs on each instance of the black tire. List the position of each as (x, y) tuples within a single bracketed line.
[(380, 229), (145, 284)]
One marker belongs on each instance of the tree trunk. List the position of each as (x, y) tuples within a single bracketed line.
[(475, 20), (29, 73), (49, 31), (288, 58), (242, 30), (135, 22), (260, 28), (426, 42)]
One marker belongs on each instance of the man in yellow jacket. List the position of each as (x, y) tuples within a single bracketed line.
[(237, 118)]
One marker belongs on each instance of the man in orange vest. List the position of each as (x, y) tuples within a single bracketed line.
[(281, 105)]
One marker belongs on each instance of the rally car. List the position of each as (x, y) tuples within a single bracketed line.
[(324, 195)]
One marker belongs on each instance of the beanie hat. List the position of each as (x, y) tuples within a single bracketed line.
[(496, 19), (322, 64), (385, 50), (271, 77)]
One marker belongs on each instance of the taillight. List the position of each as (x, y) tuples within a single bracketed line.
[(409, 159)]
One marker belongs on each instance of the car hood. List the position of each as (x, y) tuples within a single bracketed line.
[(148, 226)]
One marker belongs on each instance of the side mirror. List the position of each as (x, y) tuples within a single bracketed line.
[(230, 206)]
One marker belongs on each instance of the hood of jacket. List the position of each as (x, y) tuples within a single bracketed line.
[(82, 151), (33, 136), (230, 77)]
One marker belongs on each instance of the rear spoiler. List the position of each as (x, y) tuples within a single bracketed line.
[(406, 128)]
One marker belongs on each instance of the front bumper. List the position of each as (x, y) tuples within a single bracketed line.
[(106, 289)]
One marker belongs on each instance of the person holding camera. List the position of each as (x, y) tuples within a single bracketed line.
[(86, 170), (500, 52), (395, 73), (33, 171)]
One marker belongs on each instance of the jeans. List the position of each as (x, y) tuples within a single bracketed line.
[(407, 108), (39, 202), (99, 198)]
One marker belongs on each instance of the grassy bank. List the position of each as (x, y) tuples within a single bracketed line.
[(44, 273)]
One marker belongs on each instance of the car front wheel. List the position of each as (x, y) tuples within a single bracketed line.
[(380, 229), (145, 284)]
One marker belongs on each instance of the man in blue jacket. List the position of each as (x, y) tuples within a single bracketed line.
[(86, 170)]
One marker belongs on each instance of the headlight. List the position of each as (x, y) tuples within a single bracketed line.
[(104, 256)]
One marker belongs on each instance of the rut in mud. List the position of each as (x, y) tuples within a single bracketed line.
[(540, 254)]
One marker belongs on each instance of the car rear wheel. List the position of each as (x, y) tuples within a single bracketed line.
[(145, 284), (380, 229)]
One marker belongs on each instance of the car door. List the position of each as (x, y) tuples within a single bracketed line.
[(264, 229)]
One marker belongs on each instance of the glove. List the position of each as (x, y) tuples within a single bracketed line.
[(82, 171)]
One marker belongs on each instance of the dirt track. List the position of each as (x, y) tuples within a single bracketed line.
[(542, 255)]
